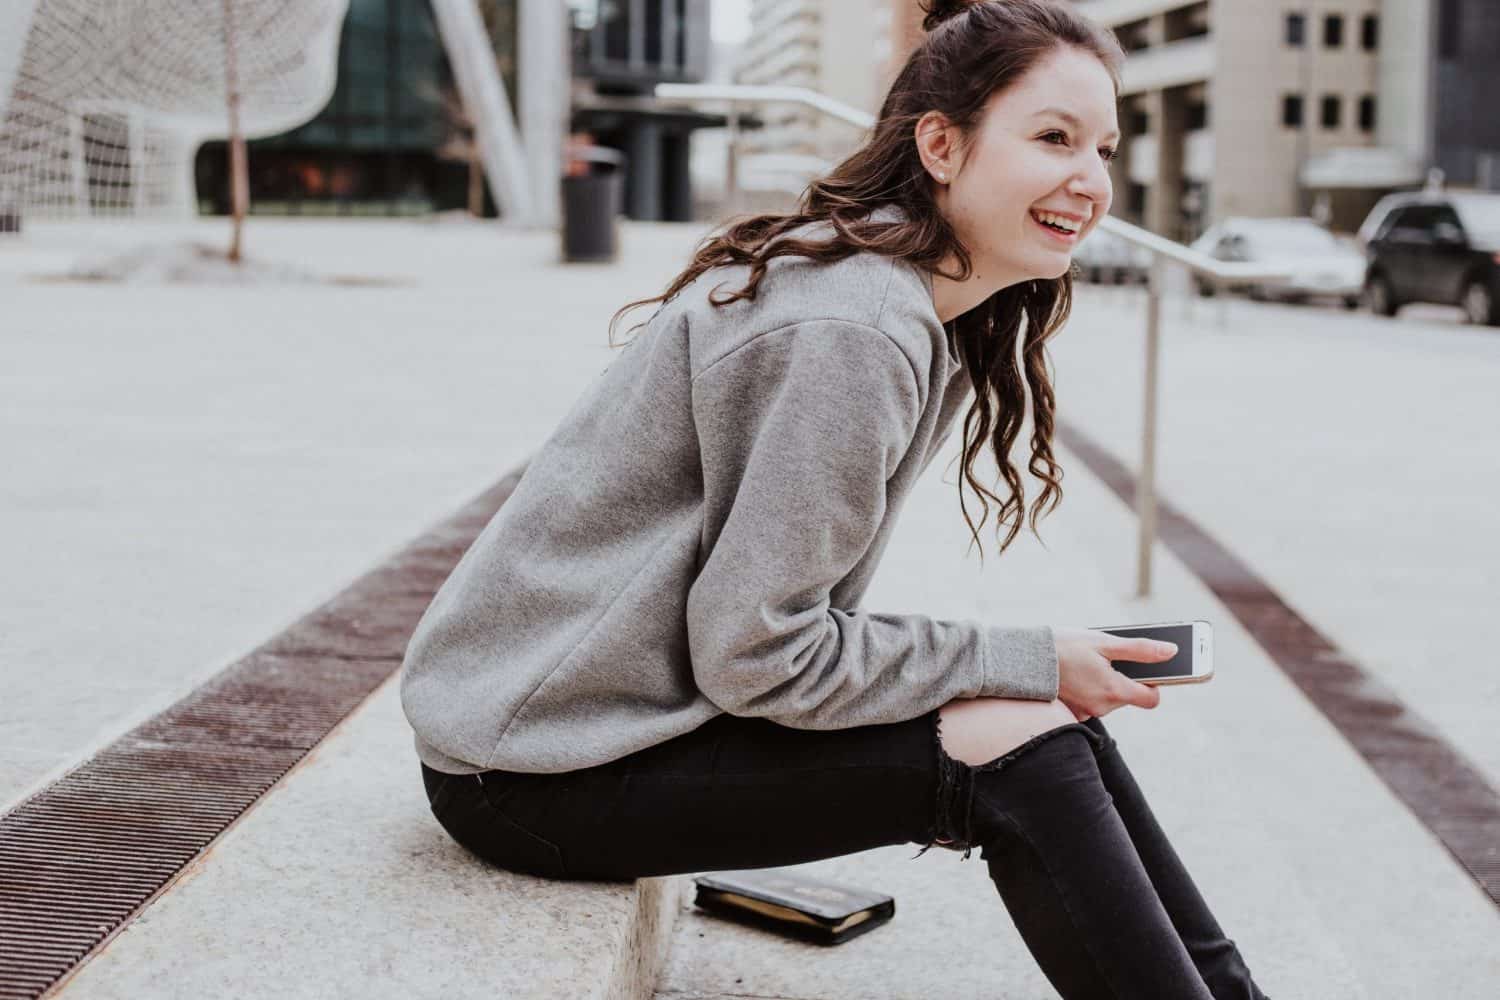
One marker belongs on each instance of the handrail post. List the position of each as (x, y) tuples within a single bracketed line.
[(732, 166), (1145, 496)]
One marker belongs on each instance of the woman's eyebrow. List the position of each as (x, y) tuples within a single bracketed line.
[(1071, 119)]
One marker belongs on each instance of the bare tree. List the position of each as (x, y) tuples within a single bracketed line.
[(459, 144)]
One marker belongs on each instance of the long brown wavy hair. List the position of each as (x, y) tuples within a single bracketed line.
[(971, 51)]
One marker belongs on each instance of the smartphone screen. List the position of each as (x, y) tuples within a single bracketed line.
[(1180, 665)]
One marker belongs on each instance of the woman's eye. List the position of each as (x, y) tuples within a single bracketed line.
[(1106, 152)]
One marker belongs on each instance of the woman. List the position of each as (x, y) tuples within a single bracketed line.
[(652, 660)]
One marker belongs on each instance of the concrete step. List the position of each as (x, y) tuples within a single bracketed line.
[(340, 883)]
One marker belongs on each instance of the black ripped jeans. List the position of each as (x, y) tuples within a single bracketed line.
[(1088, 876)]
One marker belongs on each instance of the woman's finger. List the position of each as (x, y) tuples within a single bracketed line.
[(1136, 650)]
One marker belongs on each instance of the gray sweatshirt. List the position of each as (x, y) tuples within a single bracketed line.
[(695, 537)]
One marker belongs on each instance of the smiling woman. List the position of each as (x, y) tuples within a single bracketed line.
[(656, 659), (1032, 179)]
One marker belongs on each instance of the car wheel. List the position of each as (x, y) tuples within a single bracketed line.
[(1378, 295), (1257, 293), (1479, 304), (1351, 301), (1205, 288)]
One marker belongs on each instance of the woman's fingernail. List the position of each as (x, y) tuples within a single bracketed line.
[(1167, 647)]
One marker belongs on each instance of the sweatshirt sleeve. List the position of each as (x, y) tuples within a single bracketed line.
[(800, 429)]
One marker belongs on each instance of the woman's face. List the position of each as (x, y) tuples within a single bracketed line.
[(1042, 146)]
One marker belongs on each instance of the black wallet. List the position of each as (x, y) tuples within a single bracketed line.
[(794, 904)]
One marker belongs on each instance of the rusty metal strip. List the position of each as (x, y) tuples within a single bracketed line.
[(82, 856), (1442, 788)]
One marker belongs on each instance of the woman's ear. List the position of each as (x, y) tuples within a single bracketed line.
[(936, 139)]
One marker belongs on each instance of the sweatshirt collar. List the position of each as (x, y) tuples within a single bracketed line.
[(891, 212)]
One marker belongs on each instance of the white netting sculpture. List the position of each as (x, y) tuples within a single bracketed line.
[(103, 103)]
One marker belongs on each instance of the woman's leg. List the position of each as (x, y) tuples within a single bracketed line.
[(1061, 801), (1216, 957), (1068, 873), (735, 793), (746, 793)]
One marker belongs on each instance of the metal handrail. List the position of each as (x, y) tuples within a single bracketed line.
[(1163, 251)]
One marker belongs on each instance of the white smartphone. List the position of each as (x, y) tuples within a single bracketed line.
[(1193, 663)]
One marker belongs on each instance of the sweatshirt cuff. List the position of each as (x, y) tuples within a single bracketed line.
[(1020, 663)]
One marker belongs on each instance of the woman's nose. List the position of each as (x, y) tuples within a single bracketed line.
[(1092, 182)]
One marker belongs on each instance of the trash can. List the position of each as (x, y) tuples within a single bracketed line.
[(592, 192)]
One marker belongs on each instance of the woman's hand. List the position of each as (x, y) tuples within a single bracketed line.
[(1088, 685)]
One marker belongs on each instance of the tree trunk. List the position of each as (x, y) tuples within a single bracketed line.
[(239, 168), (476, 185)]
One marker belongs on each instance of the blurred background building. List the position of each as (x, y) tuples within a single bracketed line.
[(1293, 108), (1255, 108), (836, 47), (1229, 107), (396, 138), (621, 49)]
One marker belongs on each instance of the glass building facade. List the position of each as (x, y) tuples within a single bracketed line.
[(1466, 131), (392, 139)]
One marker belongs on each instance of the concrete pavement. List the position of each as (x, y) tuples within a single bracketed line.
[(194, 467)]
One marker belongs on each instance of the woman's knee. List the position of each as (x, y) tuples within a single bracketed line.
[(978, 730)]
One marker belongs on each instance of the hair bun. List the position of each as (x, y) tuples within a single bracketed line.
[(939, 11)]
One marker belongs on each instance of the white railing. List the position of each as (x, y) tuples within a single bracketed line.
[(1164, 252)]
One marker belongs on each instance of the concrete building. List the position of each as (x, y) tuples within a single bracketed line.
[(1227, 104), (1229, 107), (836, 47), (1294, 107)]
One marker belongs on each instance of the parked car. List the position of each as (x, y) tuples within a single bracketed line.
[(1441, 247), (1324, 265), (1104, 258)]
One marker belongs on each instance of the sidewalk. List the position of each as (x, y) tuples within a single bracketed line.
[(197, 467)]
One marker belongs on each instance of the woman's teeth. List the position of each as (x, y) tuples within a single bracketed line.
[(1057, 221)]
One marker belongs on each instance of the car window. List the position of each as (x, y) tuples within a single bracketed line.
[(1417, 220), (1391, 221), (1445, 213)]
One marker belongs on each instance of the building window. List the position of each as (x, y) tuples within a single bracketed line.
[(1369, 33), (1296, 30), (1333, 31), (1197, 116), (1448, 28), (1330, 111), (1140, 122), (1291, 111), (1367, 113)]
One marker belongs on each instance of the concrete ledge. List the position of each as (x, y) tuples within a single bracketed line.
[(341, 883)]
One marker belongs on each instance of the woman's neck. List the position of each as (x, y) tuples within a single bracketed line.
[(952, 299)]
